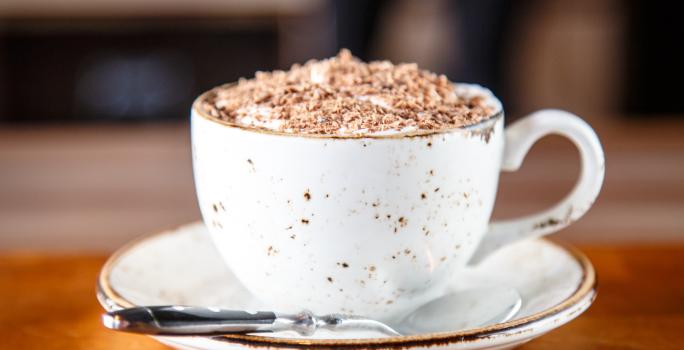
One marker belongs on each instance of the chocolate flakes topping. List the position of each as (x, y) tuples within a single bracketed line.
[(344, 96)]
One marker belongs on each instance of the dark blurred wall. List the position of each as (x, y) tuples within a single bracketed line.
[(607, 57), (655, 58), (533, 54), (61, 70)]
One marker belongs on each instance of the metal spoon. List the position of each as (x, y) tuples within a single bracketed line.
[(454, 311), (464, 309)]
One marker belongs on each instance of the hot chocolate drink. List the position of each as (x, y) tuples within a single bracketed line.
[(344, 96)]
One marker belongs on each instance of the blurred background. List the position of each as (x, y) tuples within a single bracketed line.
[(95, 99)]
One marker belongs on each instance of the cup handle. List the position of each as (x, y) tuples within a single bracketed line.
[(519, 138)]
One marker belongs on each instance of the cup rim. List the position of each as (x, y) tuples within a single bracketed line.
[(485, 123)]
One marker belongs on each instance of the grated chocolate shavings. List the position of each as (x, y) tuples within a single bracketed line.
[(343, 96)]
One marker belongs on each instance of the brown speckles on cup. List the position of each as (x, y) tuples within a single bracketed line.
[(547, 223), (218, 206), (216, 223), (371, 270), (270, 251), (484, 133), (304, 221)]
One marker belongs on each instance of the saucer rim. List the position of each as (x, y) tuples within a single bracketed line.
[(586, 291)]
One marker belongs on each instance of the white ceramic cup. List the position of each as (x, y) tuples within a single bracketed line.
[(372, 225)]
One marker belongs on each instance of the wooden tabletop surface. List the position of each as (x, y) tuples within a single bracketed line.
[(49, 303), (69, 195)]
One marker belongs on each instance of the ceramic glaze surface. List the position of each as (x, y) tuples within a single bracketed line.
[(182, 267), (343, 225), (372, 224)]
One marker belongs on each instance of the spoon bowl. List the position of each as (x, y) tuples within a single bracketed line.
[(470, 308)]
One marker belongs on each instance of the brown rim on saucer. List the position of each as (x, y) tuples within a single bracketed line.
[(586, 291), (486, 124)]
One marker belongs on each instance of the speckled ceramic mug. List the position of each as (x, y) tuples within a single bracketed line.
[(371, 225)]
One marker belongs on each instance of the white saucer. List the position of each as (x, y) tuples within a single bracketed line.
[(181, 266)]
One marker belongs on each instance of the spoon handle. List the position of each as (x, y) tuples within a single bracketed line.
[(188, 320), (191, 320)]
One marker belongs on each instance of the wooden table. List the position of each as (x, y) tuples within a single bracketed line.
[(49, 303), (69, 195)]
